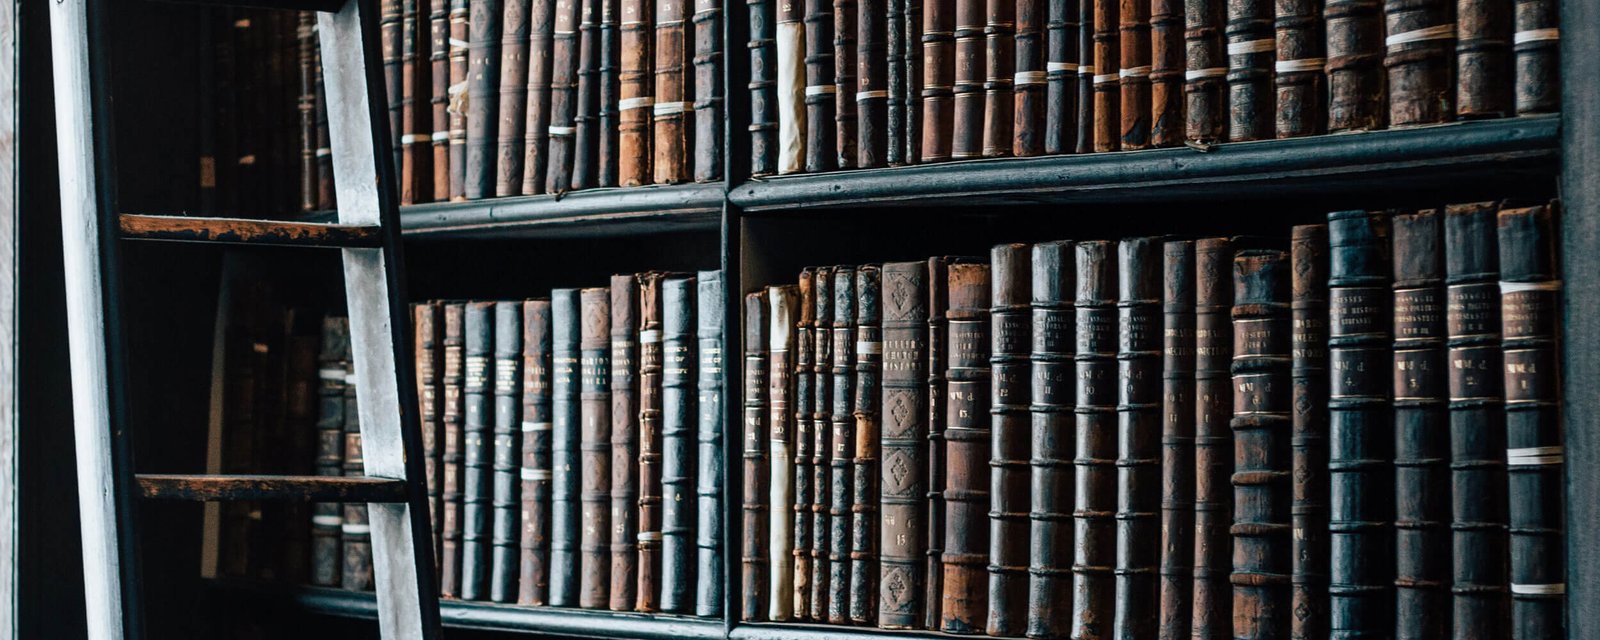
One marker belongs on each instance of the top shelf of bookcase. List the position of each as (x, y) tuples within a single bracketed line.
[(586, 213)]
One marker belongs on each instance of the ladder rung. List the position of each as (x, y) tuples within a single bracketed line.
[(209, 488), (241, 231)]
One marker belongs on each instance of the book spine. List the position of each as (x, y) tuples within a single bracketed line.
[(625, 379), (677, 452), (594, 444), (1010, 333), (1134, 81), (1086, 73), (938, 80), (763, 88), (805, 397), (357, 574), (1309, 369), (755, 571), (1536, 43), (1355, 83), (416, 178), (460, 32), (1052, 445), (1359, 427), (1482, 604), (450, 491), (1483, 59), (1139, 434), (306, 103), (1166, 73), (967, 93), (514, 57), (845, 82), (1422, 440), (904, 445), (1107, 78), (938, 334), (1421, 36), (1206, 71), (873, 60), (820, 99), (1213, 440), (637, 96), (1530, 289), (709, 306), (566, 415), (563, 96), (674, 96), (864, 485), (439, 98), (967, 450), (897, 37), (1061, 77), (1094, 558), (507, 446), (821, 432), (327, 518), (790, 77), (477, 395), (841, 438), (1177, 440), (587, 106), (429, 327), (708, 92), (914, 64), (785, 302), (999, 82), (536, 126), (1299, 77), (534, 586), (1252, 49), (483, 99), (648, 592), (609, 91), (1030, 78), (391, 35), (325, 187)]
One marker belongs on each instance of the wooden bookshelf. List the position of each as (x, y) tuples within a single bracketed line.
[(586, 213)]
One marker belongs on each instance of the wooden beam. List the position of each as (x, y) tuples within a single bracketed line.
[(242, 231), (10, 578), (263, 487)]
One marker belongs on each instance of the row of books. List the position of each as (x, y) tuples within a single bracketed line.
[(1353, 436)]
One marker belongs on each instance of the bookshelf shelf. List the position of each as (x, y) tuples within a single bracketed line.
[(586, 213), (802, 631)]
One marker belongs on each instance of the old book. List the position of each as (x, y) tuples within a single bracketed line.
[(1166, 73), (1483, 59), (1418, 56), (904, 442), (938, 83), (708, 92), (534, 576), (1052, 445), (819, 447), (763, 126), (327, 518), (439, 97), (1308, 249), (864, 483), (306, 104), (563, 96), (1177, 439), (1421, 423), (1205, 86), (325, 186), (1301, 103), (938, 350), (1355, 51), (1213, 439), (1134, 52), (586, 112), (1107, 77), (477, 481), (483, 96), (450, 490), (1139, 348), (1262, 399), (1530, 289), (1010, 371), (805, 394), (391, 39), (964, 607), (897, 45), (514, 60), (845, 82), (1030, 78), (841, 444), (648, 592), (999, 104), (1061, 77), (755, 571), (785, 302), (913, 76), (1536, 41), (874, 58), (460, 33), (674, 96), (416, 181), (507, 448), (594, 445), (606, 132), (565, 417), (821, 145), (967, 93), (677, 438), (1251, 52), (357, 573), (790, 86), (1482, 602), (636, 93), (536, 125), (1360, 432), (709, 304), (625, 379), (428, 322), (1086, 73), (1094, 511)]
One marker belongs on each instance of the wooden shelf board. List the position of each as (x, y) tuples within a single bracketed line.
[(586, 213), (805, 631)]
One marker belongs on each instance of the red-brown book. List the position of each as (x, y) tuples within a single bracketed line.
[(674, 95)]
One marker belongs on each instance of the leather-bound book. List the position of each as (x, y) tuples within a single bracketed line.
[(1011, 331), (460, 32), (1030, 78), (999, 104), (896, 81), (428, 321), (514, 59), (1356, 93), (763, 86), (821, 429), (873, 61), (1422, 431), (708, 92), (904, 407), (1166, 73), (648, 592), (1086, 75), (1205, 89), (790, 78), (565, 417), (1134, 52), (1094, 511), (483, 96), (450, 490), (416, 182), (1107, 38), (609, 91), (325, 186), (625, 378), (864, 484), (563, 96), (968, 96), (1177, 439), (587, 105), (709, 304), (938, 332), (594, 445), (677, 442), (636, 93), (938, 83), (1418, 54), (820, 91), (913, 74), (327, 518), (845, 81), (536, 125), (507, 450), (392, 36), (1361, 442), (357, 574), (785, 303), (1052, 446), (1308, 249), (1483, 59), (1251, 53), (1061, 77), (1262, 403), (674, 96), (964, 607), (1139, 345), (439, 97), (1213, 439), (534, 585), (755, 571), (1530, 291), (1301, 83), (804, 422), (477, 481), (1536, 41), (841, 444), (1482, 601)]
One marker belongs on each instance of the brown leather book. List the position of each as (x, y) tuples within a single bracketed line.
[(1107, 77), (938, 81), (840, 445), (1419, 57), (874, 60), (451, 413), (1483, 59), (648, 591), (674, 96), (1355, 50), (785, 309), (439, 98), (1166, 73), (755, 570), (821, 435), (1139, 348), (1206, 71), (625, 384), (391, 40), (845, 82), (594, 446), (1301, 56), (1053, 442), (1010, 372), (904, 441), (536, 431), (428, 321), (416, 177), (1309, 368), (864, 482), (897, 81), (790, 76), (1030, 78), (483, 96), (586, 110), (1252, 49), (1536, 39), (1093, 604), (820, 90), (1177, 440), (967, 92), (636, 95), (306, 104), (708, 93), (999, 104), (938, 348), (1134, 52), (563, 96), (804, 423), (763, 87), (536, 126), (1061, 77), (610, 90), (1213, 441), (327, 518), (1086, 75), (510, 136), (966, 437), (459, 34)]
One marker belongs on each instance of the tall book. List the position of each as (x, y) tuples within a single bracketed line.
[(1061, 77), (677, 438), (1355, 49), (821, 430), (391, 40), (964, 607), (1086, 73), (845, 82), (594, 446), (477, 481), (1418, 55), (1177, 439), (450, 490), (439, 97), (938, 82), (1139, 348), (1134, 81), (625, 378), (1422, 431), (357, 574), (1262, 458), (1483, 59), (938, 350), (763, 126), (483, 99), (785, 302), (1251, 52), (804, 422), (1308, 249), (566, 415), (1107, 77), (648, 591), (1359, 428), (428, 320), (755, 572), (507, 449), (709, 305), (534, 576), (898, 35), (1536, 66), (790, 78), (874, 58), (563, 96), (864, 483), (999, 89), (1030, 78), (460, 33), (708, 91), (1530, 290), (1213, 439), (967, 94), (913, 76), (536, 126), (820, 92), (1166, 73), (327, 518), (636, 95), (1010, 371), (325, 186), (1301, 102), (509, 134), (1205, 86), (1094, 511), (904, 442), (1053, 444), (674, 96), (586, 112), (610, 89), (841, 439), (1482, 603), (416, 181)]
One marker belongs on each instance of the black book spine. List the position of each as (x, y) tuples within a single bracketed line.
[(938, 332), (1095, 504), (841, 425), (610, 91), (507, 449), (1010, 335), (1061, 77), (756, 571), (864, 485), (1086, 73), (1052, 448), (763, 88), (483, 97), (564, 420), (805, 399), (820, 98), (709, 308), (821, 410), (476, 453), (594, 447), (1177, 440), (536, 365), (677, 451), (586, 115), (1139, 434), (904, 444), (625, 378), (1309, 368), (897, 132), (1213, 440)]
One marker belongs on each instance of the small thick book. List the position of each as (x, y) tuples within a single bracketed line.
[(1355, 52), (1252, 50), (841, 444), (1536, 65), (677, 443), (938, 82), (1166, 72), (625, 377), (845, 82), (1134, 49), (563, 97), (1139, 277), (450, 490), (763, 126), (965, 602), (1213, 440), (1419, 56), (565, 416), (784, 304), (534, 574), (648, 592), (1030, 78), (515, 56), (636, 94), (594, 438), (1177, 439), (1300, 77), (476, 438), (1061, 77), (327, 518), (1095, 504), (1308, 250), (754, 568), (821, 145), (1483, 83), (506, 451), (710, 301), (457, 134), (967, 93), (864, 482), (1051, 411), (904, 443), (674, 94), (1011, 330), (999, 104), (483, 96), (1205, 86), (536, 125)]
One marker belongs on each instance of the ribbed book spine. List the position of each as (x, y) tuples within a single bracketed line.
[(1138, 434), (864, 483), (483, 96), (563, 96), (1482, 601), (1360, 431), (507, 448), (450, 491), (460, 33), (790, 76), (674, 97), (903, 483), (1095, 505), (514, 58), (818, 444), (534, 586), (709, 305), (610, 89), (357, 574), (841, 438), (1052, 442), (1420, 39), (938, 80), (677, 438), (391, 40), (566, 415), (1302, 46), (1031, 77), (416, 182), (785, 303), (1086, 73), (1166, 73), (637, 94), (1536, 66), (1213, 440), (1205, 86), (439, 98), (1530, 291), (1251, 52), (967, 91), (1308, 250), (1107, 77), (476, 447), (1355, 51), (708, 92), (914, 64), (873, 61), (1010, 334), (820, 90), (624, 442), (428, 320), (594, 445), (1483, 59), (845, 82), (587, 105), (648, 592), (1134, 52), (804, 422), (999, 105), (897, 46), (1061, 77), (938, 358), (755, 570), (328, 517), (536, 127), (967, 449), (763, 87), (1177, 439)]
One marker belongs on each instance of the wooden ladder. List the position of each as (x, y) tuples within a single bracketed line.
[(368, 235)]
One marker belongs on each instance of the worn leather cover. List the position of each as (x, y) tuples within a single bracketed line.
[(594, 444), (1094, 511), (506, 449), (566, 415), (586, 113), (898, 36), (1010, 337), (1052, 445), (841, 445), (967, 451), (534, 586), (938, 350), (1166, 73), (763, 87), (477, 483), (845, 82), (1030, 78), (1309, 368), (391, 36), (674, 95), (805, 394), (819, 447), (970, 66), (755, 570), (416, 181), (873, 61), (999, 104), (1134, 51), (460, 33), (439, 96), (914, 78), (1086, 73), (450, 412), (609, 89), (1483, 59), (428, 323), (637, 95), (327, 518), (1061, 77), (710, 301), (563, 96), (904, 415), (1107, 79), (1213, 440), (1302, 105), (938, 80), (1537, 49), (514, 59), (821, 145), (784, 304), (677, 442), (1206, 69), (1418, 55), (536, 126), (483, 96), (625, 378), (1139, 277), (868, 420), (708, 91), (1355, 50), (648, 592), (790, 81), (1252, 50), (1177, 439)]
